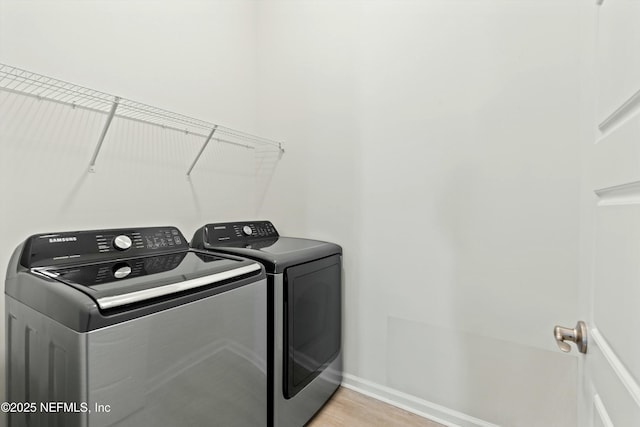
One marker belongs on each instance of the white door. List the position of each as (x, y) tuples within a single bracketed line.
[(610, 371)]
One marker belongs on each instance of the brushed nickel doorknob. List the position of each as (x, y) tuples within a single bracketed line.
[(577, 335)]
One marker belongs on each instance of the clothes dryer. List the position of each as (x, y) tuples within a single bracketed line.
[(305, 304)]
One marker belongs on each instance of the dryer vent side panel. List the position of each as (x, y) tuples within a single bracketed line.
[(45, 365)]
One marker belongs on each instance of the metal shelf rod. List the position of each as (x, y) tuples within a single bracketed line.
[(201, 150), (92, 164), (237, 144)]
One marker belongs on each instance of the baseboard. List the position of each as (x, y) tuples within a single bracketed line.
[(421, 407)]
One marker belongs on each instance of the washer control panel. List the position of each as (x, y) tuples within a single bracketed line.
[(53, 249), (228, 232)]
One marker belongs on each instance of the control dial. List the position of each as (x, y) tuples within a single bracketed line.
[(247, 230), (121, 271), (122, 242)]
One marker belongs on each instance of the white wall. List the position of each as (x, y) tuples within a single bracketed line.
[(196, 58), (437, 142)]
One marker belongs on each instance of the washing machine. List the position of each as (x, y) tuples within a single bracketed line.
[(305, 304), (131, 327)]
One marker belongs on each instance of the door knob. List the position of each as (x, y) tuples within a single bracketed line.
[(577, 335)]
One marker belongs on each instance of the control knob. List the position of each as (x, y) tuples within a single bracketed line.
[(247, 230), (122, 242), (121, 271)]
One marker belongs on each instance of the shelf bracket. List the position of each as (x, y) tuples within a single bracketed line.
[(201, 150), (92, 164)]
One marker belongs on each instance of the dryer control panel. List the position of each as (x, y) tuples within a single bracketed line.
[(53, 249), (220, 233)]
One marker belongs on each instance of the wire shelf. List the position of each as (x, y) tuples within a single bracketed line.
[(20, 81)]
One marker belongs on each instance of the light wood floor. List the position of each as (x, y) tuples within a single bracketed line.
[(348, 408)]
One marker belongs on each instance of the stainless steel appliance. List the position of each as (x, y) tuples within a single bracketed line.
[(305, 287), (130, 327)]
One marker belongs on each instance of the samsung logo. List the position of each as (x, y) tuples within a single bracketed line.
[(62, 239)]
